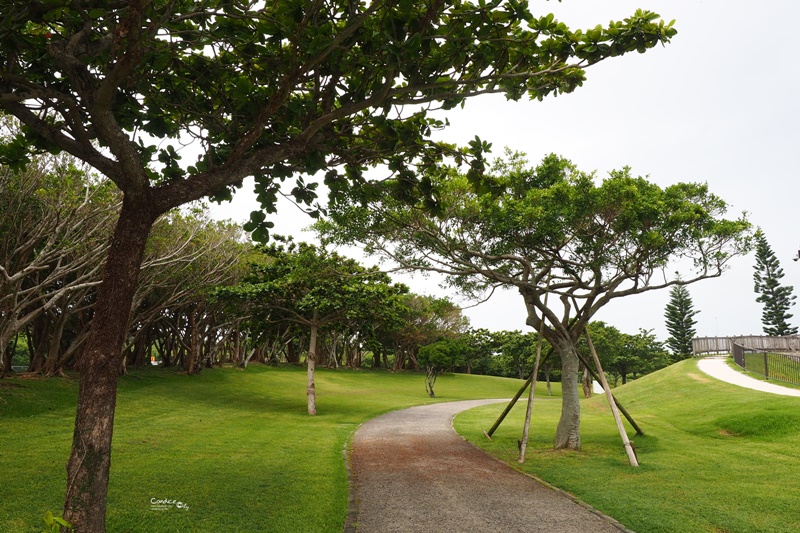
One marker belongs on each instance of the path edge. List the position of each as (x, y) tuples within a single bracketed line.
[(611, 521), (351, 519)]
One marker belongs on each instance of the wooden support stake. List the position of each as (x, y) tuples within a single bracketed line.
[(523, 444), (622, 433), (622, 410), (514, 399)]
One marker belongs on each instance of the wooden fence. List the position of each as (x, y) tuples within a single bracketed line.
[(705, 345)]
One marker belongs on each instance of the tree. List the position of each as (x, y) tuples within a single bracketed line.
[(680, 322), (424, 320), (268, 90), (313, 288), (55, 220), (438, 357), (551, 230), (777, 299)]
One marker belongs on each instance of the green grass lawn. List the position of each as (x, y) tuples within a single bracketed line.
[(716, 458), (236, 447)]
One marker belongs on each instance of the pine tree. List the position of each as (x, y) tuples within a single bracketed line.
[(776, 299), (680, 321)]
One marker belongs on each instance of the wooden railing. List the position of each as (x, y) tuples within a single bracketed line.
[(706, 345)]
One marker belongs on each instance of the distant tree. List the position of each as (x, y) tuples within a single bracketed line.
[(680, 322), (437, 357), (641, 354), (480, 347), (776, 299), (313, 288)]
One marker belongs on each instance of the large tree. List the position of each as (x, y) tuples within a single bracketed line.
[(777, 299), (264, 89), (551, 230), (680, 322)]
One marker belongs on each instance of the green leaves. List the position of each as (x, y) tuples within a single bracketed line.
[(283, 88)]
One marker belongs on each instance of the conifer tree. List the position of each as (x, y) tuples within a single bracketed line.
[(680, 322), (776, 299)]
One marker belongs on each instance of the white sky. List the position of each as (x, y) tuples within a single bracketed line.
[(718, 105)]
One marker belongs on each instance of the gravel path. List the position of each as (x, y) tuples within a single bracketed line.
[(716, 367), (413, 473)]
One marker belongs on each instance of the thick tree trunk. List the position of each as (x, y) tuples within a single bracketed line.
[(311, 360), (568, 434), (90, 460)]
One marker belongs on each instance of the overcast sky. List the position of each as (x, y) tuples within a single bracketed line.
[(718, 105)]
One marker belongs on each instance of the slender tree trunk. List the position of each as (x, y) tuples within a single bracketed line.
[(586, 383), (547, 378), (194, 344), (311, 361), (568, 434), (90, 460)]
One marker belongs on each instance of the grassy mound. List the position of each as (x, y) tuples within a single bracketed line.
[(235, 447), (715, 457)]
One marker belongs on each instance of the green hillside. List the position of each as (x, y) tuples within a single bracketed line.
[(715, 458)]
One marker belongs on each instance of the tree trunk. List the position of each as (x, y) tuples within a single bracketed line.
[(311, 361), (547, 378), (194, 344), (90, 460), (586, 383), (7, 350), (568, 434), (291, 354)]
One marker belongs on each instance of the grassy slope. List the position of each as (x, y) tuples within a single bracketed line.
[(236, 446), (716, 458)]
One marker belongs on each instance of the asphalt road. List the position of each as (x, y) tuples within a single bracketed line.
[(413, 473)]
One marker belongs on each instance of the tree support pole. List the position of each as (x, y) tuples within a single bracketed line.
[(514, 399), (622, 433), (523, 444), (529, 410), (622, 410)]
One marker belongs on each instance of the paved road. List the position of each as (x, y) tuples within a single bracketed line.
[(414, 473), (716, 367)]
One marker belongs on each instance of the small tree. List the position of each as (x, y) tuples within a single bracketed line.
[(776, 299), (438, 357), (680, 322)]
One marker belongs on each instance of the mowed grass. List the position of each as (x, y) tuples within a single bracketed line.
[(236, 447), (715, 458)]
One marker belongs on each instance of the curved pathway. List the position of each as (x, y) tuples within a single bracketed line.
[(413, 473), (718, 368)]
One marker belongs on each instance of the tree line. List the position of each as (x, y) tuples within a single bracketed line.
[(208, 297)]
